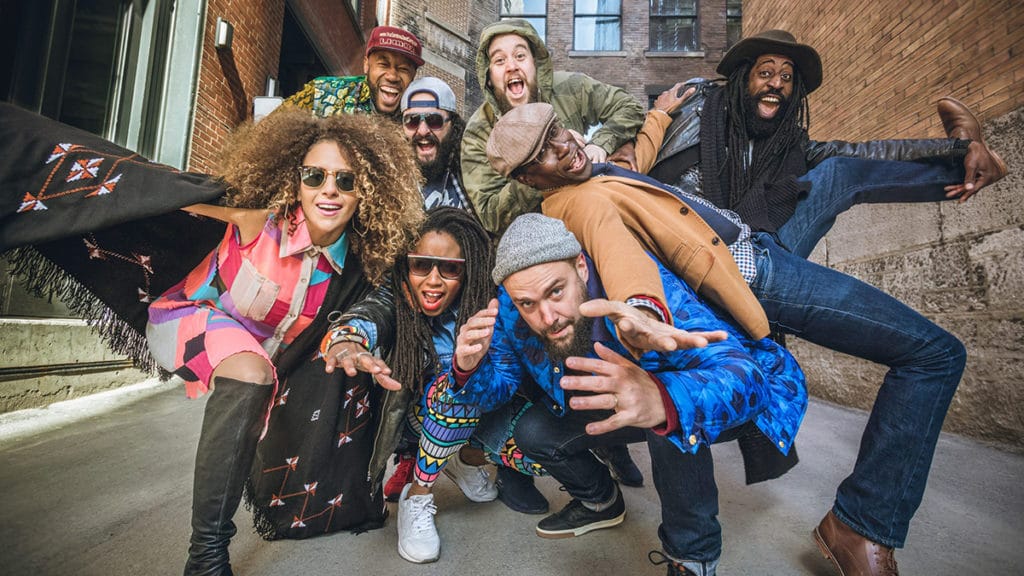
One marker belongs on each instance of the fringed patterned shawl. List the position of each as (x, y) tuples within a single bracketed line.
[(99, 227)]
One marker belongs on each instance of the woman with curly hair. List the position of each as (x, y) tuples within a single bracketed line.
[(446, 272), (316, 207)]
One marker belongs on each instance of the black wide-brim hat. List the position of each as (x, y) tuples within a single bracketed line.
[(805, 58)]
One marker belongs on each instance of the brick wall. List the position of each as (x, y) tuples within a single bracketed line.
[(961, 265), (886, 62), (634, 68), (339, 39), (228, 79)]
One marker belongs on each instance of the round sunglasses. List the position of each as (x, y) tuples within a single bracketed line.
[(315, 176), (448, 268), (434, 120)]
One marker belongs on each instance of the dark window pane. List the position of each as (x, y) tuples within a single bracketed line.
[(674, 8), (88, 83), (673, 34)]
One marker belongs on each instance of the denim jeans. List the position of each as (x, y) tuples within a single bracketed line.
[(844, 314), (837, 184), (685, 482), (925, 363)]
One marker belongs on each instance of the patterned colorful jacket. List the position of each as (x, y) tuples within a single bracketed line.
[(330, 95), (712, 389)]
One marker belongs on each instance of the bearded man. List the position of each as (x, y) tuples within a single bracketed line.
[(434, 129), (513, 66), (392, 57), (552, 325), (744, 146)]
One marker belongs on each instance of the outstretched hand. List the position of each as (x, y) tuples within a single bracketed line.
[(981, 168), (615, 384), (352, 358), (474, 337), (640, 333)]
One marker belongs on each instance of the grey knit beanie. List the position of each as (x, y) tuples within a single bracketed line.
[(532, 239)]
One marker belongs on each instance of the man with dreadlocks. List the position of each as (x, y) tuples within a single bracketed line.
[(744, 146)]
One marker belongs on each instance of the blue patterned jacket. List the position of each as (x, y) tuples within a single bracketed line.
[(713, 389)]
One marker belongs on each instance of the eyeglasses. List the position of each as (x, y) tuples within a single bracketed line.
[(448, 268), (434, 120), (315, 176)]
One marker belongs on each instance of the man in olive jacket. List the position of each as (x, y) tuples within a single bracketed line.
[(513, 67)]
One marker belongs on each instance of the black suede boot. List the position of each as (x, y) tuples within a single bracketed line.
[(232, 423)]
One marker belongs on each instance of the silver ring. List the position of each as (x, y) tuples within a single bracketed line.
[(616, 405), (343, 354), (363, 353)]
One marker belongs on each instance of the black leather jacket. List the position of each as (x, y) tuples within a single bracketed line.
[(679, 152), (378, 307)]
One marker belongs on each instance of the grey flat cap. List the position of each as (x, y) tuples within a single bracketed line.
[(532, 239)]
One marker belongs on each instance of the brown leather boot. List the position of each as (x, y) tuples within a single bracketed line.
[(851, 553), (959, 122)]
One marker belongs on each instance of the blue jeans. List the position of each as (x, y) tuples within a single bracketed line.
[(838, 184), (685, 482), (841, 313)]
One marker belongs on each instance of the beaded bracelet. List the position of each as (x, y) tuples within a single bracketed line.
[(343, 333)]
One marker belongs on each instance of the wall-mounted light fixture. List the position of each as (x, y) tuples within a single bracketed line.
[(222, 34)]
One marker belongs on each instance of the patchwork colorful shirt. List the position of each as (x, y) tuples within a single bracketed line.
[(257, 297), (330, 95)]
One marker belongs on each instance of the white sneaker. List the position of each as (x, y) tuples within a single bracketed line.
[(475, 481), (418, 541)]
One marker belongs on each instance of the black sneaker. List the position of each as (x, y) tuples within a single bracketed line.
[(576, 519), (620, 464), (519, 493)]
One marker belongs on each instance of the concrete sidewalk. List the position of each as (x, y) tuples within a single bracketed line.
[(110, 495)]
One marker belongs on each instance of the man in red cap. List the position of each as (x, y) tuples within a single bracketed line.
[(392, 57)]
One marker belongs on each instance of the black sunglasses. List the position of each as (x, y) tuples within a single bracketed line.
[(434, 120), (448, 268), (315, 176)]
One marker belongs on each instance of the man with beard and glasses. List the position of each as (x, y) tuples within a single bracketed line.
[(392, 57), (552, 324), (434, 129), (743, 145), (513, 67)]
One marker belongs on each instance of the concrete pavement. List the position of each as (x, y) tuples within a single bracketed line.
[(110, 495)]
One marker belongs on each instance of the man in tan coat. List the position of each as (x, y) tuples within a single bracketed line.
[(618, 214)]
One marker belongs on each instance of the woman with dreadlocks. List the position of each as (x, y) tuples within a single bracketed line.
[(446, 271)]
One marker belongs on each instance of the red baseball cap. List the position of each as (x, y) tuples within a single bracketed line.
[(395, 40)]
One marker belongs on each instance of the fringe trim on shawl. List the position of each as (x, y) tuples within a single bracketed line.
[(41, 277), (262, 520)]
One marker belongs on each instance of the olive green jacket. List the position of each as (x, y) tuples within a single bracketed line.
[(580, 102)]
